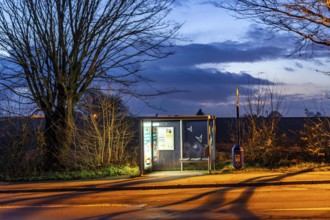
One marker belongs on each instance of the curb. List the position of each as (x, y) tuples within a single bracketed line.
[(179, 186)]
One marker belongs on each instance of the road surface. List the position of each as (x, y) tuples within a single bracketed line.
[(272, 202)]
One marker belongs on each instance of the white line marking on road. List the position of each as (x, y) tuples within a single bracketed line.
[(73, 205), (303, 209)]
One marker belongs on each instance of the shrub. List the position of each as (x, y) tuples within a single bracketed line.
[(21, 148), (315, 138)]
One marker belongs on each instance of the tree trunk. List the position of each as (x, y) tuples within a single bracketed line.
[(59, 128)]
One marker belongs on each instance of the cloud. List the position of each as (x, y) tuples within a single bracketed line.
[(212, 89), (265, 37), (200, 84), (224, 52), (206, 88), (295, 49), (289, 69), (209, 89), (299, 65)]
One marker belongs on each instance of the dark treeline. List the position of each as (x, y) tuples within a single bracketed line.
[(293, 140)]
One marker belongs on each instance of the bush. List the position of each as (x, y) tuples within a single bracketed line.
[(105, 172), (105, 134), (315, 138), (21, 148)]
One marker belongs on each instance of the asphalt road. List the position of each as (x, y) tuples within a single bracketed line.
[(267, 202)]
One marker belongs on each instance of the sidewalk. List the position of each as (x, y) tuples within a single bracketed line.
[(173, 179)]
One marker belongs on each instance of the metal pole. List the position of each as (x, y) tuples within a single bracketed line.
[(209, 165), (181, 143), (237, 117), (141, 152)]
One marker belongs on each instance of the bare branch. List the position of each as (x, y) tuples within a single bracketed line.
[(308, 20), (58, 49)]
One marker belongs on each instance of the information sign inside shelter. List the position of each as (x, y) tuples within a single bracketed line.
[(165, 138)]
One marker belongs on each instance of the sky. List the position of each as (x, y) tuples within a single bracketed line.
[(219, 53)]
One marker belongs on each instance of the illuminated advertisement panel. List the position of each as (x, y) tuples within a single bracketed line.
[(147, 144)]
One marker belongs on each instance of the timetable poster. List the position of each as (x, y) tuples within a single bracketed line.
[(165, 138)]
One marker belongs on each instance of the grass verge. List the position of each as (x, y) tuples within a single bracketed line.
[(227, 167), (101, 173)]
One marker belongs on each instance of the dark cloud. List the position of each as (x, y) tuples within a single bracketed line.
[(211, 89), (265, 37), (199, 84), (294, 49), (289, 69), (193, 54), (208, 89)]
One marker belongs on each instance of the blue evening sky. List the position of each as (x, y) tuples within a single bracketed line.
[(221, 53)]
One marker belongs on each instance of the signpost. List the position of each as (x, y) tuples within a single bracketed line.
[(237, 150)]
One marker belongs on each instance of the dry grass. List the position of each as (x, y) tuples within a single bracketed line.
[(227, 167)]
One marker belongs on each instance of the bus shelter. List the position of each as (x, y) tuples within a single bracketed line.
[(170, 142)]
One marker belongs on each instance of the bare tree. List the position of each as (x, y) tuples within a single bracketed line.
[(309, 21), (59, 48), (106, 131), (263, 104)]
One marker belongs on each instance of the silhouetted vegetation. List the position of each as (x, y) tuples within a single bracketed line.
[(296, 140), (104, 143)]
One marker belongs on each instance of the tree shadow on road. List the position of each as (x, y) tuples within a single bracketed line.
[(203, 205), (213, 202)]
